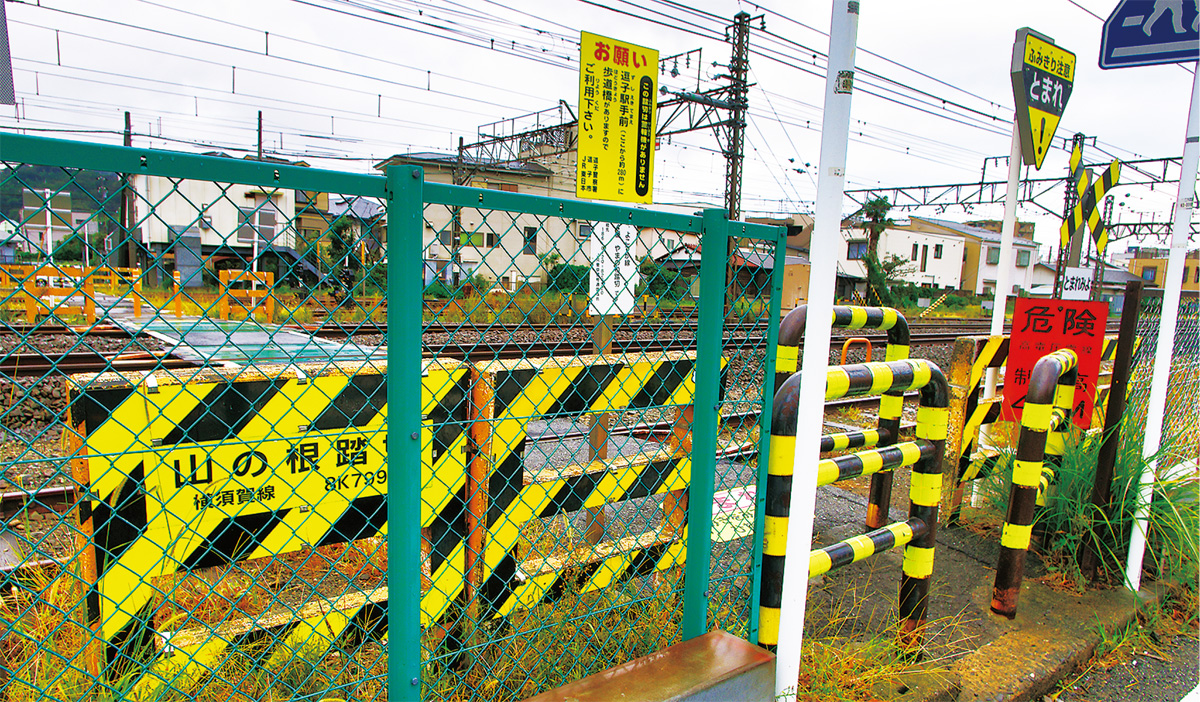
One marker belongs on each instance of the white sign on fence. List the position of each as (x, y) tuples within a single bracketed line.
[(614, 277), (1077, 283)]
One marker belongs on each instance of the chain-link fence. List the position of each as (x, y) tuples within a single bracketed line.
[(1181, 430), (199, 356)]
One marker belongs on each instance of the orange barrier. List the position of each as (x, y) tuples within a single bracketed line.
[(851, 342), (34, 285), (251, 300), (114, 281)]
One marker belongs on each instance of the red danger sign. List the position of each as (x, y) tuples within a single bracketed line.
[(1044, 326)]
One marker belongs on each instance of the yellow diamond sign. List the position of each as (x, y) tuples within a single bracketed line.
[(1042, 76)]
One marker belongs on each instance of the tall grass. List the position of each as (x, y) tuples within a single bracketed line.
[(1069, 519)]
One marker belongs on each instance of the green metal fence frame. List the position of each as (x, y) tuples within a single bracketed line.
[(405, 193)]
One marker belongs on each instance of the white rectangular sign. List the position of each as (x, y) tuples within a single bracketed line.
[(1077, 283), (613, 278)]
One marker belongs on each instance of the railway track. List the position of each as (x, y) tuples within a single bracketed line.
[(33, 365), (38, 365)]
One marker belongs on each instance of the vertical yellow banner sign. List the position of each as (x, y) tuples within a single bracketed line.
[(618, 95)]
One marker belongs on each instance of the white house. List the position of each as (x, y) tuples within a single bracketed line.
[(934, 255), (217, 214), (981, 256)]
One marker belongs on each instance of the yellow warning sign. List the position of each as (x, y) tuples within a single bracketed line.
[(1042, 77), (618, 96)]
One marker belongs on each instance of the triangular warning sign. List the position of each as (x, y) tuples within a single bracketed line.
[(1042, 77), (1042, 126)]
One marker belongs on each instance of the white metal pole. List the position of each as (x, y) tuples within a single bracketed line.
[(831, 182), (49, 229), (1004, 269), (1172, 286)]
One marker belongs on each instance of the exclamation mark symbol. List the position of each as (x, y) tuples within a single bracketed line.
[(1041, 136)]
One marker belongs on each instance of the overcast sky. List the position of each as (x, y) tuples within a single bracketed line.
[(357, 80)]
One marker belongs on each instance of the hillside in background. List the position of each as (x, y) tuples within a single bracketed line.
[(90, 190)]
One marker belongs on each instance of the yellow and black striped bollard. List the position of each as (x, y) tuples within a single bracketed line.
[(1051, 383)]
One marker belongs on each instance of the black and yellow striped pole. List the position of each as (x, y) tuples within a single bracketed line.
[(1051, 385), (924, 455), (925, 494), (891, 405)]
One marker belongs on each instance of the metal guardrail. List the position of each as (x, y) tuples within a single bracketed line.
[(924, 455)]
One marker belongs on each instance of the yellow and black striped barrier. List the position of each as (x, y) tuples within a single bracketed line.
[(1051, 391), (891, 405), (537, 389), (220, 466), (925, 456)]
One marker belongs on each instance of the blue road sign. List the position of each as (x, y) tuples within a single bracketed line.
[(1149, 32)]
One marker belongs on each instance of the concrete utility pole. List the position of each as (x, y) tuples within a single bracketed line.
[(48, 237), (456, 229), (831, 182), (739, 89)]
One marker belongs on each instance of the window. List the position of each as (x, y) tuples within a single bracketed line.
[(446, 236), (585, 231), (856, 250), (1196, 278), (924, 256), (1149, 273), (670, 243), (478, 238), (530, 245), (993, 255), (259, 220), (1022, 258), (937, 250), (1185, 274), (914, 252)]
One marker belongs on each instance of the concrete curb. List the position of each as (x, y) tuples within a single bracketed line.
[(1053, 633)]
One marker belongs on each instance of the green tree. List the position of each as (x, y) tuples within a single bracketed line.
[(882, 279), (660, 281), (875, 222), (565, 278)]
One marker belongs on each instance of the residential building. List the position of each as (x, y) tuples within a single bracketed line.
[(797, 269), (980, 262), (1112, 284), (511, 249), (1024, 229), (1150, 264), (934, 253), (12, 240), (182, 225), (363, 223), (45, 211)]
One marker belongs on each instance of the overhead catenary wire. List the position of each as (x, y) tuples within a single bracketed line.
[(549, 43)]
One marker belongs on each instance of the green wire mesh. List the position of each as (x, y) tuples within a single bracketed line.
[(1180, 435), (195, 448)]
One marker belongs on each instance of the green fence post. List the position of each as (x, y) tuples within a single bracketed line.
[(764, 432), (714, 245), (405, 213)]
